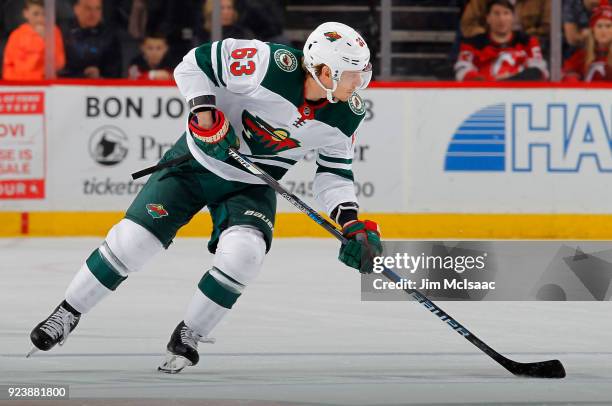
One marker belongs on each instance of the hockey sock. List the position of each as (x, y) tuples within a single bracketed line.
[(106, 268), (92, 283), (216, 294), (126, 249)]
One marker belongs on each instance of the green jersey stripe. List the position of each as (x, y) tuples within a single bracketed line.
[(220, 64), (335, 160), (203, 58), (345, 173)]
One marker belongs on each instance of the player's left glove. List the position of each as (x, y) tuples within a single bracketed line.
[(216, 140), (363, 245)]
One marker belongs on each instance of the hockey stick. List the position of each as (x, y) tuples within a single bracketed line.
[(543, 369)]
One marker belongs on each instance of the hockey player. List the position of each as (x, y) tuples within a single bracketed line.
[(275, 104)]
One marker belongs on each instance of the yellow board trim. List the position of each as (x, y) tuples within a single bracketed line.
[(393, 225)]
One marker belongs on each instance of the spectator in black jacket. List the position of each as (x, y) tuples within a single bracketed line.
[(174, 19), (92, 49), (229, 23), (265, 18), (153, 62)]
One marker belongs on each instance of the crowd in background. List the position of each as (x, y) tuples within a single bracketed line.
[(145, 39), (509, 40), (138, 39)]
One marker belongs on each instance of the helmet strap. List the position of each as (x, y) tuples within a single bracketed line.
[(328, 92)]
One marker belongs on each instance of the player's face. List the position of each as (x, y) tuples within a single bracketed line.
[(350, 81), (602, 31), (35, 15), (154, 50), (500, 20)]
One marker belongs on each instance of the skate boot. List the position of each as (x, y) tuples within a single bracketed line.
[(182, 349), (55, 328)]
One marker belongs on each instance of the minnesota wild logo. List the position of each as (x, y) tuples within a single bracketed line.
[(156, 210), (263, 139), (332, 36), (356, 104), (285, 60)]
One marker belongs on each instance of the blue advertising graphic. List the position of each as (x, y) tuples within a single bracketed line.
[(516, 137)]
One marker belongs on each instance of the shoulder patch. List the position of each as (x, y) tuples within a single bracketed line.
[(356, 104), (285, 60)]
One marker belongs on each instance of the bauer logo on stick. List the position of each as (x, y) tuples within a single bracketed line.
[(156, 210), (285, 60)]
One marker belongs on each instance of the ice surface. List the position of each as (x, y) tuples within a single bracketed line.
[(299, 334)]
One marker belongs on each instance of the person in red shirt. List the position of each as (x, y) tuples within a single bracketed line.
[(24, 55), (500, 53), (153, 62), (593, 63)]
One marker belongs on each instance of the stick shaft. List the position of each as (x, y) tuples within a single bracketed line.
[(389, 274)]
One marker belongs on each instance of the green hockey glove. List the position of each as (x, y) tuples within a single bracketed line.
[(363, 245)]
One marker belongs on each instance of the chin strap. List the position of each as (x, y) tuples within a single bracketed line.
[(328, 92)]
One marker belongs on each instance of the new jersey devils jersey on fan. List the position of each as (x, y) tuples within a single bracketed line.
[(482, 58), (575, 69), (260, 88)]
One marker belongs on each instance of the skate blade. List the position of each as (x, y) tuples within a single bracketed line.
[(32, 352), (173, 364)]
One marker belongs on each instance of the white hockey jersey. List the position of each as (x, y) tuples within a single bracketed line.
[(260, 88)]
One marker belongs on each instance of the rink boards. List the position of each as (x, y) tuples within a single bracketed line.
[(432, 161)]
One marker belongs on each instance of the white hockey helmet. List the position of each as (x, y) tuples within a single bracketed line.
[(343, 50)]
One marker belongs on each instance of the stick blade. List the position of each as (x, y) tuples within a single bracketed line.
[(544, 369)]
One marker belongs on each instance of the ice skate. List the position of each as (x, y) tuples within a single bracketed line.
[(182, 349), (54, 329)]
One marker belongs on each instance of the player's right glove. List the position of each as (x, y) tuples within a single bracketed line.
[(363, 245), (216, 140)]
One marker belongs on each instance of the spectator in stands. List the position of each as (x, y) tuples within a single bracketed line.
[(153, 62), (500, 53), (174, 19), (531, 17), (92, 49), (265, 18), (24, 55), (229, 18), (594, 61), (576, 15)]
